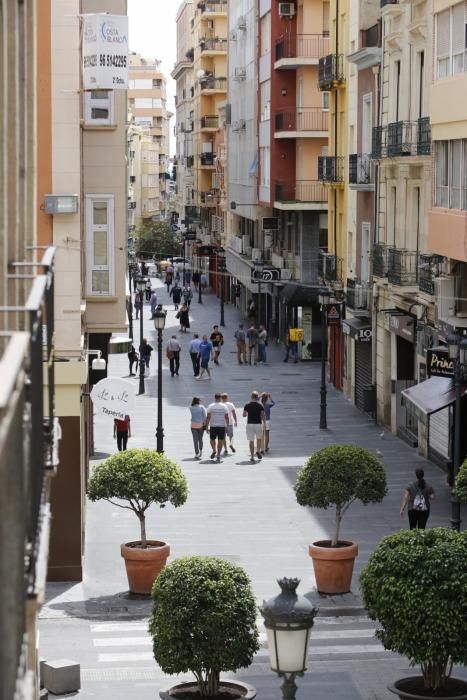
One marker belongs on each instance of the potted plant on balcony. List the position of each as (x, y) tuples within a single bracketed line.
[(415, 585), (140, 477), (337, 476), (204, 621)]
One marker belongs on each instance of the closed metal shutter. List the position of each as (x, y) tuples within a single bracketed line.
[(439, 433), (362, 370)]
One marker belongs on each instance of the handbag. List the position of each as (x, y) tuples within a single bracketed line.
[(170, 354)]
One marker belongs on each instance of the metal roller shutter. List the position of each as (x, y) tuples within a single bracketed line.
[(362, 370), (439, 432)]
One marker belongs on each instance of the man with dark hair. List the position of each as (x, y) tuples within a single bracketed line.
[(254, 413), (217, 421), (217, 340)]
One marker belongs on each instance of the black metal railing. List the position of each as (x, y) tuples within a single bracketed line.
[(330, 71), (213, 45), (302, 191), (359, 169), (357, 294), (331, 168), (210, 82), (428, 269), (329, 267), (208, 158), (380, 260), (208, 198), (301, 119), (209, 122), (402, 266), (302, 46), (402, 138)]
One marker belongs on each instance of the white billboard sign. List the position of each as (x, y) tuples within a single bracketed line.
[(105, 52), (113, 398)]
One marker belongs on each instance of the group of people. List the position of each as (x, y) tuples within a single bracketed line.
[(251, 344), (173, 276), (220, 419)]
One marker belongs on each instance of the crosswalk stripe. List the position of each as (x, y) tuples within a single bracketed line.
[(122, 641), (119, 627), (126, 656)]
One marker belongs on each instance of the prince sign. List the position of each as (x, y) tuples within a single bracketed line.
[(113, 398)]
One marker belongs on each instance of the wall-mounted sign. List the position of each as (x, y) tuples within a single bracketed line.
[(105, 52), (113, 398), (269, 223), (270, 274), (438, 363), (403, 325), (333, 314)]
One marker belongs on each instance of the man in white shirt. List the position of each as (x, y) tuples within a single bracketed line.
[(232, 422), (217, 421), (194, 353)]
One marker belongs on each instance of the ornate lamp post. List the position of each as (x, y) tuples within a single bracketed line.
[(457, 347), (159, 325), (288, 619), (323, 297), (221, 273), (200, 292), (140, 287), (259, 267)]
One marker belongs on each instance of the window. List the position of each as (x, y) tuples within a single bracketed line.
[(442, 174), (300, 96), (148, 102), (451, 41), (99, 244), (325, 101), (451, 174), (99, 107), (140, 84), (367, 122)]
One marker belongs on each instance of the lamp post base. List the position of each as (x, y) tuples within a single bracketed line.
[(289, 687), (323, 423), (160, 440)]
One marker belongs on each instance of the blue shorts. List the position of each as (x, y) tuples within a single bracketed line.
[(205, 362)]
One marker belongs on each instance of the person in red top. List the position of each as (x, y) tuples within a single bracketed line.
[(122, 431)]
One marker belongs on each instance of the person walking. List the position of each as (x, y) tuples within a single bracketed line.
[(232, 423), (176, 294), (291, 348), (148, 290), (254, 413), (188, 278), (172, 350), (122, 431), (187, 295), (198, 422), (153, 302), (217, 421), (240, 337), (169, 275), (203, 280), (133, 358), (268, 403), (137, 305), (184, 318), (196, 279), (416, 499), (205, 353), (261, 344), (145, 351), (194, 353), (252, 337), (217, 340)]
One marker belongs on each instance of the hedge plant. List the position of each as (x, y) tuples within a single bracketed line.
[(460, 487), (140, 477), (337, 476), (415, 585), (203, 620)]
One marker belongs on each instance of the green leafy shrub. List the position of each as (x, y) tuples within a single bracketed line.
[(337, 476), (203, 620), (140, 477), (460, 487), (415, 585)]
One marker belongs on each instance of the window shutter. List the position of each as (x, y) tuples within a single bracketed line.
[(442, 33), (458, 38)]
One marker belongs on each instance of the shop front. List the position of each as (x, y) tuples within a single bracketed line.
[(358, 336), (403, 328)]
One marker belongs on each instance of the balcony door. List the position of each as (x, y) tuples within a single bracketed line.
[(366, 123), (365, 252)]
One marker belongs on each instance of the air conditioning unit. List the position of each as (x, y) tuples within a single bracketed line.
[(256, 254), (445, 295), (286, 9), (241, 24), (286, 274), (241, 124), (210, 24), (239, 73), (268, 240)]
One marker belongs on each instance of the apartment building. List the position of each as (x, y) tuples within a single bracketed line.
[(148, 150)]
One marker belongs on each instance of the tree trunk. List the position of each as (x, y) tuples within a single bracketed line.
[(335, 539), (142, 522)]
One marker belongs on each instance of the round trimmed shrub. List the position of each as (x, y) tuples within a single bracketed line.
[(415, 585), (337, 476), (203, 620), (140, 477)]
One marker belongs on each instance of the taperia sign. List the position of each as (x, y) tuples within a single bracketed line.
[(105, 52)]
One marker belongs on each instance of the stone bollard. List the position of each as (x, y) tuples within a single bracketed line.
[(61, 676)]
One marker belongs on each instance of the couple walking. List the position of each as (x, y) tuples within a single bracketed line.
[(219, 418)]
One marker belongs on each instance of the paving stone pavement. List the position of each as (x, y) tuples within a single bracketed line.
[(245, 513)]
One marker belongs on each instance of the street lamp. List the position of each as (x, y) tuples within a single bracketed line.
[(140, 287), (221, 273), (457, 348), (323, 297), (131, 272), (259, 267), (288, 620), (159, 325), (200, 293)]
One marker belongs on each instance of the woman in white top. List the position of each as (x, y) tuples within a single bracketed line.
[(198, 421)]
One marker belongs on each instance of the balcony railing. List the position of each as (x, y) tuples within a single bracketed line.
[(208, 7), (208, 158), (330, 71), (302, 191), (428, 269), (208, 198), (302, 46), (359, 169), (331, 168), (357, 294), (213, 45), (402, 138), (399, 265), (302, 119), (210, 82), (383, 3), (209, 122), (329, 267)]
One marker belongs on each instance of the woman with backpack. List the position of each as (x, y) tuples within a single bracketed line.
[(416, 499)]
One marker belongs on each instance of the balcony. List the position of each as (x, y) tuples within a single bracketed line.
[(190, 161), (208, 199), (360, 172), (213, 47), (380, 260), (331, 169), (303, 195), (402, 138), (429, 267), (300, 123), (209, 123), (208, 160), (330, 71), (329, 267), (300, 50), (357, 294), (383, 3), (399, 265), (213, 8), (210, 85)]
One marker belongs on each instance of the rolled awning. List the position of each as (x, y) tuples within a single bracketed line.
[(431, 396), (353, 326)]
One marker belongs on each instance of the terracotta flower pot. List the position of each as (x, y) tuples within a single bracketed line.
[(143, 565), (411, 688), (246, 691), (333, 566)]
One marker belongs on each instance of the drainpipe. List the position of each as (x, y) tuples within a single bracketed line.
[(336, 125)]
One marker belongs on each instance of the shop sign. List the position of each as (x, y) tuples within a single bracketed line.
[(365, 335), (105, 52), (333, 314), (270, 274), (403, 325), (438, 363), (113, 398)]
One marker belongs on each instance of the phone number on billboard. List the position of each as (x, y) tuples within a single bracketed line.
[(113, 61)]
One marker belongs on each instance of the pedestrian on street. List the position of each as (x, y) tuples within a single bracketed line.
[(203, 281), (137, 306), (254, 413), (268, 403), (232, 422), (217, 340), (417, 497), (153, 302), (169, 275), (188, 278), (133, 358), (176, 294), (187, 295), (261, 344), (205, 353), (148, 290), (172, 350), (252, 310), (217, 421), (184, 318), (240, 337), (196, 279), (145, 351), (252, 337), (194, 353), (291, 348), (198, 423), (122, 431)]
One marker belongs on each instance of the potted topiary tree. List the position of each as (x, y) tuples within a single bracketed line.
[(204, 621), (140, 477), (337, 476), (415, 585)]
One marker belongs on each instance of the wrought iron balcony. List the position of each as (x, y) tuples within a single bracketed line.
[(331, 168), (380, 260), (330, 71), (215, 6), (213, 45), (208, 159), (302, 191), (210, 82), (301, 119), (329, 267), (428, 269), (209, 122), (208, 198), (402, 266), (357, 294), (402, 138), (302, 46), (359, 169)]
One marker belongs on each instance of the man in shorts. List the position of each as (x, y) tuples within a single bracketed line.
[(205, 351), (217, 340), (232, 422), (217, 420), (254, 413)]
